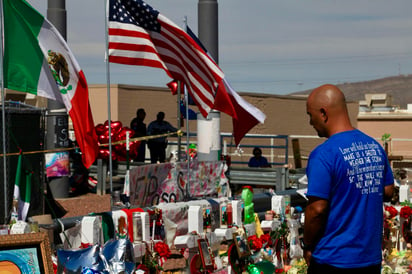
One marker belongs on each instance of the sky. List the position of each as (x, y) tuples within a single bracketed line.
[(266, 46)]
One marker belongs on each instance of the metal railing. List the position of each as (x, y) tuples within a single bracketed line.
[(274, 147)]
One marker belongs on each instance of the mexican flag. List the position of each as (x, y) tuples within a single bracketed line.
[(22, 189), (37, 60)]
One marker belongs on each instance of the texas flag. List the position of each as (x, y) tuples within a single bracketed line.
[(244, 115)]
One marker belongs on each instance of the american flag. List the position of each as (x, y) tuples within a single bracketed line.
[(140, 35)]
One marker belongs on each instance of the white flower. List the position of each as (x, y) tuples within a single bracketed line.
[(293, 270)]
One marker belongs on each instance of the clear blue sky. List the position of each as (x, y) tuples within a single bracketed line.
[(267, 46)]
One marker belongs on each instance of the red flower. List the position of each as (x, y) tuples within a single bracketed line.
[(162, 249), (255, 243), (279, 270), (265, 238), (406, 211), (392, 211)]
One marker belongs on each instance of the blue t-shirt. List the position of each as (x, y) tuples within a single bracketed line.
[(350, 170)]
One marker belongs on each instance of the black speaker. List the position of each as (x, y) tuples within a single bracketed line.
[(24, 130)]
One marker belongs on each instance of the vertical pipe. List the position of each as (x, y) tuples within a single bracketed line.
[(208, 26), (209, 148), (179, 123), (3, 120), (57, 118), (109, 114)]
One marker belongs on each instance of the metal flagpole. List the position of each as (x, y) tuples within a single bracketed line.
[(108, 100), (187, 126), (3, 116), (187, 138), (179, 124)]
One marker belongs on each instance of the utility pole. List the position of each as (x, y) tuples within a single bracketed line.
[(208, 26), (57, 135), (209, 146)]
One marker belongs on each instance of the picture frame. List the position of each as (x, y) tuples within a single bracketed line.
[(26, 253), (241, 243), (205, 254)]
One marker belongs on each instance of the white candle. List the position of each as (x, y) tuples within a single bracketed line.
[(153, 232), (127, 140)]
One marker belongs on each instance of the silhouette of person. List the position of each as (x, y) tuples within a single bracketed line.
[(139, 129), (157, 146), (258, 160)]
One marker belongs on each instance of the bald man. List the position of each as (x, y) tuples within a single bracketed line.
[(349, 177)]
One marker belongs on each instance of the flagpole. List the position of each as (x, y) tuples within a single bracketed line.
[(108, 100), (187, 125), (3, 116), (179, 124)]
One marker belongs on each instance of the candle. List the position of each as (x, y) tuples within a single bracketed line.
[(127, 140)]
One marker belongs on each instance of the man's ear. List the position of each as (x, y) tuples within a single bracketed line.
[(324, 115)]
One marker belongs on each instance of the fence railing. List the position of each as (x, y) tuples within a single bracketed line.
[(277, 148)]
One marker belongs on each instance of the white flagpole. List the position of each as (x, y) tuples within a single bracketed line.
[(3, 116), (108, 99)]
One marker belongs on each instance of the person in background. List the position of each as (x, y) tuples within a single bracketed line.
[(258, 160), (139, 128), (349, 178), (157, 146)]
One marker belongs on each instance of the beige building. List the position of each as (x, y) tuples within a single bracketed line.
[(377, 117), (286, 115)]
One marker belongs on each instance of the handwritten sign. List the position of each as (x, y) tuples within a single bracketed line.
[(171, 182)]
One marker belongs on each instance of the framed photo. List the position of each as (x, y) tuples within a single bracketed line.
[(205, 254), (242, 246), (25, 253)]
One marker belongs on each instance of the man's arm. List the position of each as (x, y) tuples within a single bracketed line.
[(171, 128), (388, 193), (316, 213)]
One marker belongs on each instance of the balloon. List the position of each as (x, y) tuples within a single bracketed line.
[(103, 154), (120, 149), (118, 133), (100, 129), (121, 158), (123, 131), (134, 149), (104, 138), (173, 87), (116, 126), (264, 267)]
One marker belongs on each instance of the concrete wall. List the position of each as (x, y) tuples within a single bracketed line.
[(286, 115)]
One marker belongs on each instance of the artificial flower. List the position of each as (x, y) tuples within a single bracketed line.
[(266, 239), (255, 243), (162, 249), (392, 211), (406, 211)]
